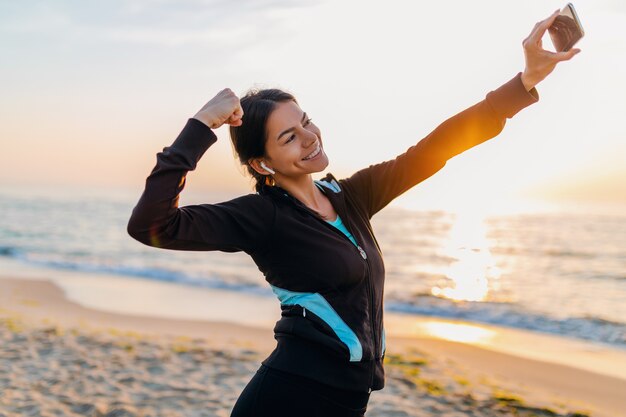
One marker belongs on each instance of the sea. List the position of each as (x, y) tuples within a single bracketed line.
[(561, 272)]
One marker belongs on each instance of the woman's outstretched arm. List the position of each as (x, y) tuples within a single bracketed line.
[(377, 185), (240, 224)]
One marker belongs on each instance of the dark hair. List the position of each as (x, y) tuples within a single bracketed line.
[(249, 139)]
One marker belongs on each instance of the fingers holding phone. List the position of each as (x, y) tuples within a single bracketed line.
[(539, 62), (536, 35)]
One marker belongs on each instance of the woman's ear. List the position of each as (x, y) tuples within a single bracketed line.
[(254, 163), (257, 165)]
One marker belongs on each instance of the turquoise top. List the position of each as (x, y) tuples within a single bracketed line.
[(339, 225)]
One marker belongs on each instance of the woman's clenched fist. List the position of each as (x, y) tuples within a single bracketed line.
[(223, 108)]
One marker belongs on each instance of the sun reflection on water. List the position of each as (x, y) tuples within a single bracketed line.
[(458, 332), (474, 271)]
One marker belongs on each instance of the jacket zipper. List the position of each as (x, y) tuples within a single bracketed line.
[(371, 293), (369, 282), (369, 287)]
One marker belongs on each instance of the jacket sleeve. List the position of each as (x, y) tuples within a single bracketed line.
[(240, 224), (377, 185)]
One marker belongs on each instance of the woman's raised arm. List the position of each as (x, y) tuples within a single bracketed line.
[(377, 185), (241, 224)]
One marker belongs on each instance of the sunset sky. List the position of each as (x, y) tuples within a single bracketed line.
[(91, 91)]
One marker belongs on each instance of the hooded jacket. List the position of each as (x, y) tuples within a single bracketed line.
[(330, 290)]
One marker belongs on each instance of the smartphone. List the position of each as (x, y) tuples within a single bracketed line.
[(566, 29)]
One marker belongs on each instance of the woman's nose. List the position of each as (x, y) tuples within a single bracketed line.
[(311, 138)]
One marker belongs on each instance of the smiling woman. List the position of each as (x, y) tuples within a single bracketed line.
[(265, 146), (248, 139), (300, 142), (281, 146), (328, 276)]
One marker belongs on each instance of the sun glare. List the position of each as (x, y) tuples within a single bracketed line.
[(458, 332), (474, 267)]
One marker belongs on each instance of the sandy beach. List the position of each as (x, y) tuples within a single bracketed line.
[(60, 358)]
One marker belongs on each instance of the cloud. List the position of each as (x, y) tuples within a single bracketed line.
[(194, 7), (175, 37), (38, 19), (157, 22)]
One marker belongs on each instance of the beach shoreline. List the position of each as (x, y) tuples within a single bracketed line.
[(145, 297), (458, 369)]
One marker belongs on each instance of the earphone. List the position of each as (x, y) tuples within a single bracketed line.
[(267, 168)]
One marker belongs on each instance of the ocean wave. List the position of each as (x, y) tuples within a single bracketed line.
[(10, 251), (512, 315), (157, 274), (587, 327), (551, 252)]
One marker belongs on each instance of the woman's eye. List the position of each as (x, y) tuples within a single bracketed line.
[(292, 137)]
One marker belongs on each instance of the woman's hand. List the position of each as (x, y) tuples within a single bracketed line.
[(539, 62), (225, 107)]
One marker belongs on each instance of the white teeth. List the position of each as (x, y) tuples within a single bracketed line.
[(314, 153)]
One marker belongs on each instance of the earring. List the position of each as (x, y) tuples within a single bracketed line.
[(270, 170)]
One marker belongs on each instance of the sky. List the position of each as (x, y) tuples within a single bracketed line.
[(91, 91)]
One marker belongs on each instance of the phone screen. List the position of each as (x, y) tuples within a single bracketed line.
[(566, 29)]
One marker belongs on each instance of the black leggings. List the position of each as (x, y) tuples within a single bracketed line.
[(275, 393)]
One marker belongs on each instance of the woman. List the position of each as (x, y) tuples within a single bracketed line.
[(313, 240)]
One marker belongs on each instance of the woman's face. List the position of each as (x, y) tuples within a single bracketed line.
[(292, 137)]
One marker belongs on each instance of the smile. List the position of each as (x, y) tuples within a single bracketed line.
[(313, 154)]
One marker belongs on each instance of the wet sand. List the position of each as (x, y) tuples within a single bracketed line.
[(60, 358)]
